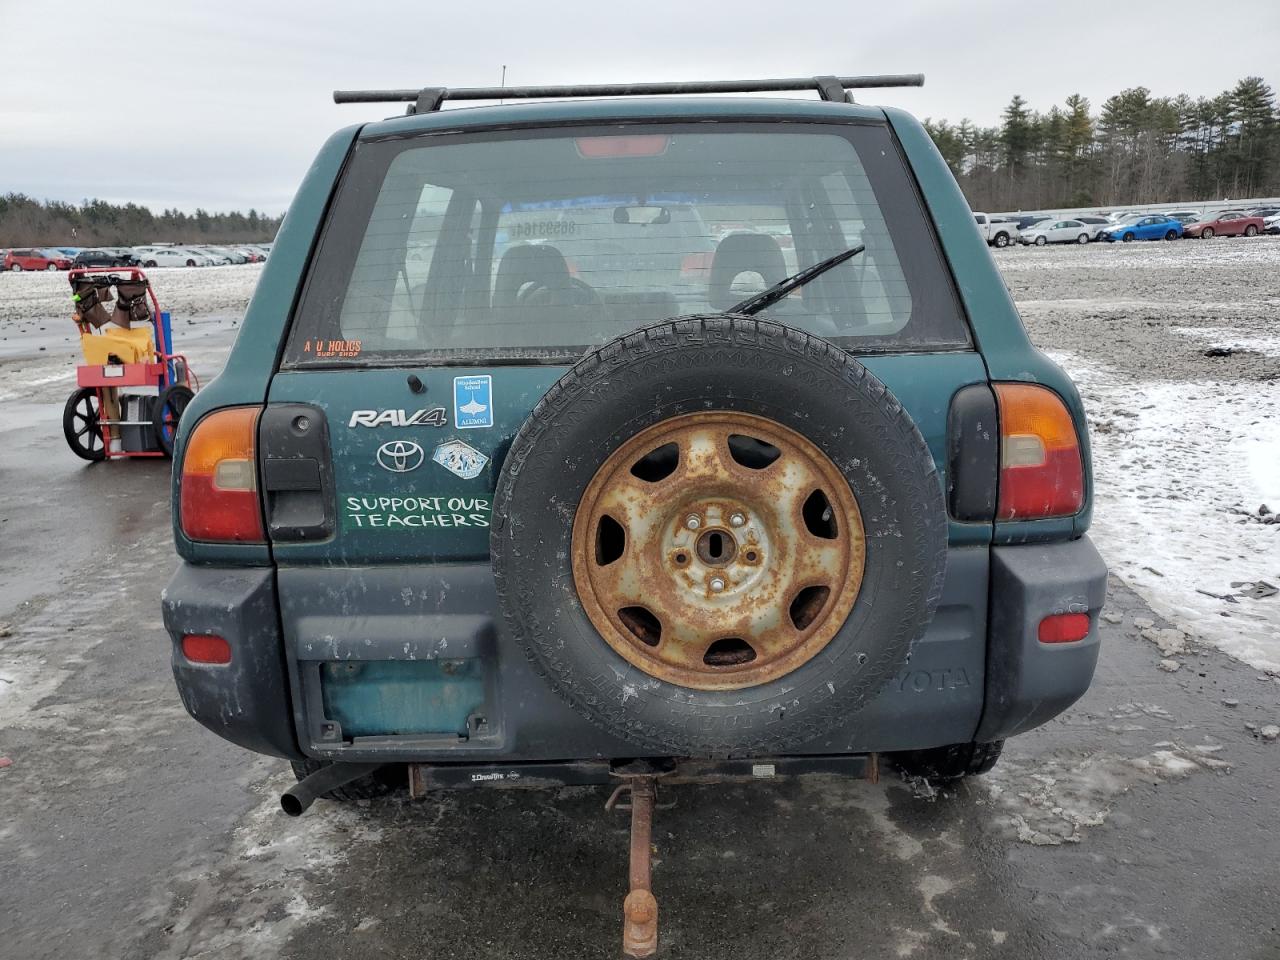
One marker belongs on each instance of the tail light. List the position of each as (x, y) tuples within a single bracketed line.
[(219, 483), (206, 648), (1064, 628), (1041, 472), (604, 148)]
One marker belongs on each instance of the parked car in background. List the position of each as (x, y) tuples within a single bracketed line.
[(1184, 216), (98, 257), (250, 255), (1272, 224), (1027, 220), (996, 231), (1152, 227), (1095, 224), (1264, 212), (1233, 223), (1056, 231), (215, 257), (26, 258), (1116, 216), (172, 257)]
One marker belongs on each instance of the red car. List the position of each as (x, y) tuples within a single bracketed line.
[(19, 260), (1233, 224)]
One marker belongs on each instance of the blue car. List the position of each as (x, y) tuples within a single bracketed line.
[(1153, 227)]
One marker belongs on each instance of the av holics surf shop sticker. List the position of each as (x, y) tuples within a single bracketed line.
[(460, 458), (473, 402)]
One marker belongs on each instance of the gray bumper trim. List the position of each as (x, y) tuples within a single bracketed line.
[(1029, 682)]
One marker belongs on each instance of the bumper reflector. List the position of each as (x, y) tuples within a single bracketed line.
[(1064, 628), (206, 648)]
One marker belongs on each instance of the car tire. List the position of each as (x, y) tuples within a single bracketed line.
[(191, 263), (1206, 233), (1041, 240), (785, 383), (80, 425), (15, 268), (1251, 231), (53, 267), (1128, 238), (150, 264), (1171, 235), (954, 762), (1083, 238), (380, 783), (1002, 240)]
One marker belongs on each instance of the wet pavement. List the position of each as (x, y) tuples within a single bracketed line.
[(1140, 824)]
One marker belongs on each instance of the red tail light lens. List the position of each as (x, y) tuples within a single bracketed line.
[(219, 484), (602, 148), (1041, 472), (1064, 628), (206, 648)]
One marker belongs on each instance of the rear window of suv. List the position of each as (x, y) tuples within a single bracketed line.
[(537, 244)]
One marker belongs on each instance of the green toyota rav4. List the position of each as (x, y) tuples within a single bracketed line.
[(631, 438)]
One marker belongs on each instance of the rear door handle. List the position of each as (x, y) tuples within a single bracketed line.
[(297, 472)]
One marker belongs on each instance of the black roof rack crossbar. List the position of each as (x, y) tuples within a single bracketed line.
[(427, 99)]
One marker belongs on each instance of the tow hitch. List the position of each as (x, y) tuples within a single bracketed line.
[(640, 908), (637, 782)]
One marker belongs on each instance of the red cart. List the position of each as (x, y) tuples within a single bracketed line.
[(132, 387)]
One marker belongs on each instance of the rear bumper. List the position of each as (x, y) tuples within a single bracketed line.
[(247, 700), (366, 653), (1029, 682)]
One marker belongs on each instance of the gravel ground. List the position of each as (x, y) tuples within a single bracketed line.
[(1150, 310), (34, 297)]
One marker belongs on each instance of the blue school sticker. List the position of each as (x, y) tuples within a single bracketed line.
[(473, 402)]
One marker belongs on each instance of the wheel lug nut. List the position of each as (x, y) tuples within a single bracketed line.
[(716, 584), (693, 521), (737, 520)]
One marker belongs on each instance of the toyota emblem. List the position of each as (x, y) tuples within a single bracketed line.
[(400, 456)]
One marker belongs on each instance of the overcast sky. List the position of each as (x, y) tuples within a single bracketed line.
[(223, 105)]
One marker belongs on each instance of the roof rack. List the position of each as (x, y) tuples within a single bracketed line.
[(430, 98)]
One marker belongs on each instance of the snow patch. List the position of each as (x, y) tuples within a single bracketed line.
[(264, 878), (1171, 460), (1052, 800)]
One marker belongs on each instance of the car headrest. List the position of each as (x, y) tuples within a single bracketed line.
[(740, 253), (528, 263)]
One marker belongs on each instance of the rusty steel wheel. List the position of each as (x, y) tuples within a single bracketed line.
[(718, 550), (718, 536)]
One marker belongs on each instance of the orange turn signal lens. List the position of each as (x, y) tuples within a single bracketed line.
[(1041, 470), (219, 481)]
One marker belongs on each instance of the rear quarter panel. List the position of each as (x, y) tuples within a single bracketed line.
[(253, 357), (997, 328)]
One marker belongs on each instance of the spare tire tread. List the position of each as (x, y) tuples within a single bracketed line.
[(568, 400)]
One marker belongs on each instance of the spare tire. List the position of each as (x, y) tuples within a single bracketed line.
[(718, 536)]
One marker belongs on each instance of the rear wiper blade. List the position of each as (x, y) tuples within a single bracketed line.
[(767, 298)]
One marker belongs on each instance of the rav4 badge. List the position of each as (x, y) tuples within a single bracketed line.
[(432, 416)]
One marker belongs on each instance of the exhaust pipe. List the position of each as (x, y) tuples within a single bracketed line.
[(298, 799)]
